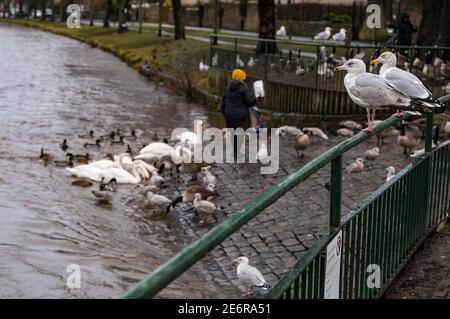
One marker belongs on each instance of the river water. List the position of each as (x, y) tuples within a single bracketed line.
[(52, 88)]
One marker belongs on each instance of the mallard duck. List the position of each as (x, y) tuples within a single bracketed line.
[(64, 145), (80, 158), (82, 183), (104, 194), (96, 144), (120, 141), (132, 135), (110, 136), (89, 135), (45, 157), (68, 163)]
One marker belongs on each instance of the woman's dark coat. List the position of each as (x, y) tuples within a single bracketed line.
[(235, 103)]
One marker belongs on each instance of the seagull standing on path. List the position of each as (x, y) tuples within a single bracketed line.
[(407, 83), (370, 91), (324, 35), (249, 275)]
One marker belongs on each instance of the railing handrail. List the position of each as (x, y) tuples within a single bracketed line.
[(326, 43), (176, 265), (323, 241)]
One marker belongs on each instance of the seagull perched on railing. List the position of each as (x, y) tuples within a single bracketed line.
[(281, 32), (341, 36), (324, 35), (406, 82)]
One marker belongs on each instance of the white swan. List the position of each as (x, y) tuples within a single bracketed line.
[(148, 167), (157, 148), (122, 176), (105, 163), (86, 171)]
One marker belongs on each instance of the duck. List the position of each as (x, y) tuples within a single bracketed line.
[(355, 167), (120, 141), (104, 194), (391, 173), (45, 157), (68, 163), (132, 135), (64, 145), (155, 137), (89, 135), (80, 158), (315, 131), (187, 196), (144, 189), (301, 142), (109, 136), (352, 125), (345, 132), (129, 150), (96, 144), (372, 154), (407, 141), (190, 168)]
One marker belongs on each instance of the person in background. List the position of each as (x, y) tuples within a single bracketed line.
[(405, 29), (236, 101)]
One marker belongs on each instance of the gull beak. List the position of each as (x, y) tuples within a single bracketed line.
[(235, 262), (375, 61), (339, 68)]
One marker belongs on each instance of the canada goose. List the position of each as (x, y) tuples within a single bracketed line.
[(187, 196), (204, 207), (120, 141), (208, 177), (372, 154), (96, 144), (345, 132), (64, 145), (352, 125), (89, 135), (158, 200), (249, 275), (355, 167), (407, 141), (68, 163), (45, 157), (82, 183), (391, 173)]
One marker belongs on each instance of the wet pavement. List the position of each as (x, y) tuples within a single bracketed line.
[(54, 88)]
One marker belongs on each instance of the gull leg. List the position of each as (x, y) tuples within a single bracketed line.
[(368, 129), (398, 114)]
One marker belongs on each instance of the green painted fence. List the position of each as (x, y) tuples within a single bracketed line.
[(384, 229)]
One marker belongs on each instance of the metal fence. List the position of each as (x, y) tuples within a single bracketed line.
[(385, 229), (300, 78)]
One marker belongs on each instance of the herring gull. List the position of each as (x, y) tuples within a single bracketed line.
[(324, 35), (407, 83), (249, 275), (341, 36), (370, 91)]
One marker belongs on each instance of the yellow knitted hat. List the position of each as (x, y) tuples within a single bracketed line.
[(238, 74)]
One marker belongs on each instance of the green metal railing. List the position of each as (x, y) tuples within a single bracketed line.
[(368, 230), (315, 89)]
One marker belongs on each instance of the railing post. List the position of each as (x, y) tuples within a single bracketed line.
[(316, 76), (336, 193), (429, 133), (235, 51)]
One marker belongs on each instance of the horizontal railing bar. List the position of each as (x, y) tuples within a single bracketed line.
[(313, 43), (175, 266)]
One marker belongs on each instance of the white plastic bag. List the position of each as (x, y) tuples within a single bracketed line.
[(258, 88)]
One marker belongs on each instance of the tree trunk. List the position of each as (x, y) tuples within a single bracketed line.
[(178, 19), (43, 3), (107, 16), (201, 12), (52, 18), (160, 9), (243, 7), (91, 13), (430, 22), (20, 13), (123, 4), (266, 13), (63, 10)]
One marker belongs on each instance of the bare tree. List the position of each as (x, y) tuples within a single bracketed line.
[(43, 8), (160, 9), (266, 13), (107, 16), (243, 7), (178, 19)]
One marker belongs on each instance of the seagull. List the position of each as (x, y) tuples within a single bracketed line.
[(251, 62), (340, 36), (249, 275), (281, 32), (215, 60), (370, 91), (391, 173), (203, 67), (239, 62), (406, 83), (324, 35)]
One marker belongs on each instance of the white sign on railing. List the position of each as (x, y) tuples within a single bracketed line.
[(333, 267)]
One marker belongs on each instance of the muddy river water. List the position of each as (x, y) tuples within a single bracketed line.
[(52, 88)]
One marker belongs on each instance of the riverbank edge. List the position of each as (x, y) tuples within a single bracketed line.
[(194, 93)]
